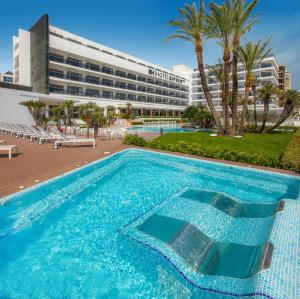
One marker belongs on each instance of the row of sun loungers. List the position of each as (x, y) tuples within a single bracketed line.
[(32, 133)]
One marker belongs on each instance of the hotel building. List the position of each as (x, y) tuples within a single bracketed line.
[(7, 77), (62, 65), (268, 71)]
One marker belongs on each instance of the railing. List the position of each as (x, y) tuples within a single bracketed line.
[(115, 97), (109, 84), (104, 70)]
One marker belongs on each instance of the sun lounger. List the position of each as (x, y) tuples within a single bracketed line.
[(9, 148), (2, 142), (64, 139)]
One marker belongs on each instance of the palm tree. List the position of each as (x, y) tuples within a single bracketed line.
[(111, 114), (35, 108), (129, 108), (93, 115), (250, 55), (69, 106), (289, 99), (58, 113), (267, 92), (220, 26), (243, 22), (254, 83), (217, 71), (191, 27)]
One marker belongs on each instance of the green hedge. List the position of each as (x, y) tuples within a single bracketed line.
[(290, 160), (291, 157), (131, 139)]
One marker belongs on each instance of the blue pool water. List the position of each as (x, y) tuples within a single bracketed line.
[(166, 128), (67, 238)]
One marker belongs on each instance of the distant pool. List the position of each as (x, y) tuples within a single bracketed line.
[(101, 231), (165, 128)]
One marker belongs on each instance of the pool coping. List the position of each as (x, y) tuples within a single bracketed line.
[(251, 168)]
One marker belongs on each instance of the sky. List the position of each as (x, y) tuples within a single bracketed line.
[(139, 27)]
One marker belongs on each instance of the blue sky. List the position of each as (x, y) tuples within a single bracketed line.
[(139, 27)]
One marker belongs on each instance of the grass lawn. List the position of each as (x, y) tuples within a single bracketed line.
[(267, 145)]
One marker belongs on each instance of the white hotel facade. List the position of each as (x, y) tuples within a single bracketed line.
[(63, 66), (54, 65)]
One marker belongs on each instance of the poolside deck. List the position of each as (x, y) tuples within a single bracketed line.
[(41, 162)]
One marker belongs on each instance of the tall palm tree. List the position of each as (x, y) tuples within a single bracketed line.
[(254, 84), (288, 100), (191, 26), (250, 55), (267, 92), (35, 108), (220, 26), (58, 113), (111, 114), (243, 22), (129, 108), (217, 71)]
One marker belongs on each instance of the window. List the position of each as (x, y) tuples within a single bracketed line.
[(121, 85), (158, 82), (131, 86), (121, 96), (158, 91), (131, 76), (132, 97), (107, 94), (92, 66), (142, 88), (56, 88), (92, 79), (56, 73), (266, 74), (8, 79), (265, 65), (120, 74), (74, 76), (142, 98), (75, 62), (74, 90), (150, 81), (107, 70), (150, 89), (142, 79), (107, 82), (150, 99), (56, 57), (93, 93)]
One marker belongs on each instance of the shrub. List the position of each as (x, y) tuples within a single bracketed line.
[(217, 153), (291, 157), (136, 140), (137, 123)]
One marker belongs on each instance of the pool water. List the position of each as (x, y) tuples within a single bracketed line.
[(65, 237), (172, 128)]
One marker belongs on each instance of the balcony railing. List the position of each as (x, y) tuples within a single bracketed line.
[(109, 71), (116, 97), (111, 84)]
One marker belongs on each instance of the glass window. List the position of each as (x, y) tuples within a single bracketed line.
[(92, 66), (92, 79), (131, 76), (107, 70), (74, 90), (121, 96), (56, 88), (56, 73), (56, 57), (74, 76), (93, 93), (131, 86), (8, 79), (142, 79), (107, 82), (75, 62), (142, 88), (120, 73), (107, 94), (121, 85), (132, 97)]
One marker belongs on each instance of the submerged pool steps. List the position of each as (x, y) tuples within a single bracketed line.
[(205, 255), (233, 207)]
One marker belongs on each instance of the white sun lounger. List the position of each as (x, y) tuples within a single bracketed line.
[(9, 148), (2, 142), (71, 140)]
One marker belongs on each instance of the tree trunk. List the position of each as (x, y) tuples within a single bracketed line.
[(245, 105), (254, 105), (226, 59), (285, 114), (235, 85), (266, 113), (199, 53), (96, 130)]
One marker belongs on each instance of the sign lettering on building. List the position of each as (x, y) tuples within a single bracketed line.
[(165, 76)]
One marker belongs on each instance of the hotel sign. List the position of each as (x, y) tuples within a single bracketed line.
[(165, 76)]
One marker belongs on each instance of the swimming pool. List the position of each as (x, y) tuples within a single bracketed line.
[(77, 235), (166, 129)]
